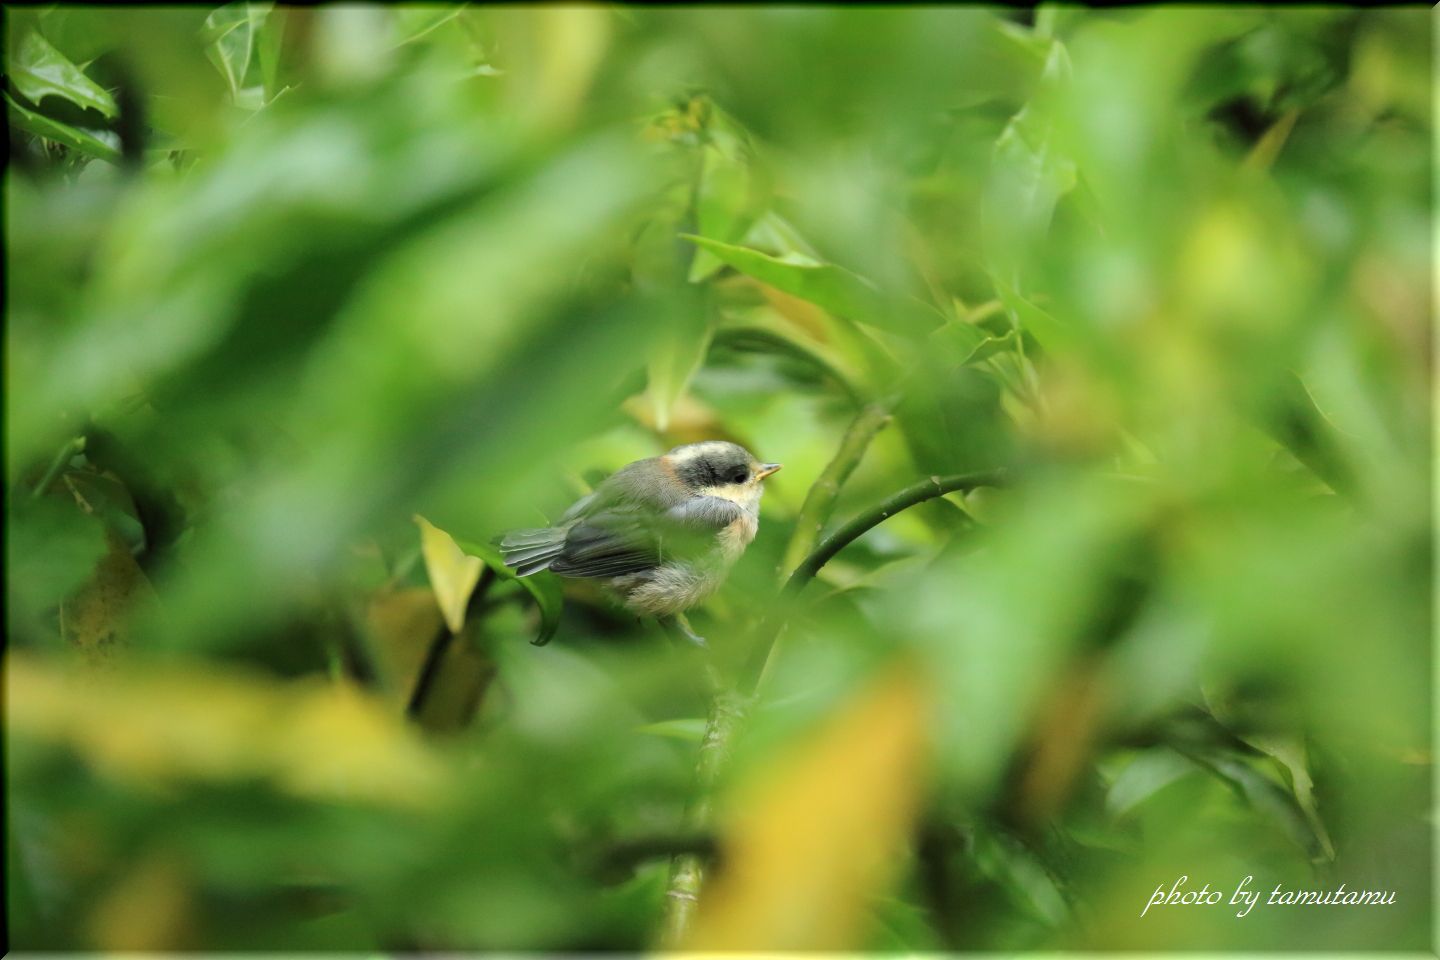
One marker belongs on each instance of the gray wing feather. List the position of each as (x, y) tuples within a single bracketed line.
[(607, 544), (631, 523), (633, 538)]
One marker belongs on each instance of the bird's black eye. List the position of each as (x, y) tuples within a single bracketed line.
[(740, 476)]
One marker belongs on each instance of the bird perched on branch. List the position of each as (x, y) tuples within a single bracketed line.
[(660, 533)]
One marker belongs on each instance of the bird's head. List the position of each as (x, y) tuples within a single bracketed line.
[(717, 468)]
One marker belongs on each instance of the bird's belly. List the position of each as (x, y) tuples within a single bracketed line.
[(735, 537), (677, 585), (669, 588)]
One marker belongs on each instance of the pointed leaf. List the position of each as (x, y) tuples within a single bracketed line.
[(1028, 175), (1053, 335), (725, 196), (1303, 429), (991, 346), (773, 234), (969, 344), (39, 70), (415, 22), (269, 42), (453, 574), (1022, 875), (231, 32), (675, 356), (1288, 750), (1145, 775), (1265, 796), (826, 285), (101, 144)]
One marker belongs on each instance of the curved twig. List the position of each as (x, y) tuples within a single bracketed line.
[(848, 533), (820, 499)]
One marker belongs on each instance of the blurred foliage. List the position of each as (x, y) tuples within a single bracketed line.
[(284, 282)]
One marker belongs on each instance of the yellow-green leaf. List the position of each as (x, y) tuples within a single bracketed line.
[(804, 850), (828, 286), (156, 725), (675, 356), (453, 573)]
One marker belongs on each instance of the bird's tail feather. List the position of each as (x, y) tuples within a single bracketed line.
[(530, 551)]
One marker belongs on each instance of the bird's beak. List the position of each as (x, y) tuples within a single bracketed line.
[(766, 469)]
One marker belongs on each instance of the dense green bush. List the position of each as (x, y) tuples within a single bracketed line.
[(1152, 284)]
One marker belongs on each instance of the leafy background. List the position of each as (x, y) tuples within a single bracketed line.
[(303, 306)]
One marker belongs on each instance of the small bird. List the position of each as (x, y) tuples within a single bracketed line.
[(660, 533)]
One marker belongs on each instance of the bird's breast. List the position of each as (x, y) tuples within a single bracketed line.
[(736, 536)]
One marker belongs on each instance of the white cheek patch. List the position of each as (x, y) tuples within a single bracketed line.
[(746, 495)]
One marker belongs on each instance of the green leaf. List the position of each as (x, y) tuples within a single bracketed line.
[(1265, 796), (107, 498), (1021, 874), (726, 194), (1028, 175), (545, 591), (1053, 335), (773, 234), (1144, 776), (719, 201), (268, 44), (761, 333), (52, 546), (1288, 750), (101, 144), (230, 33), (39, 71), (1053, 19), (413, 23), (992, 346), (826, 285), (968, 343), (675, 356), (1303, 429), (957, 338)]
